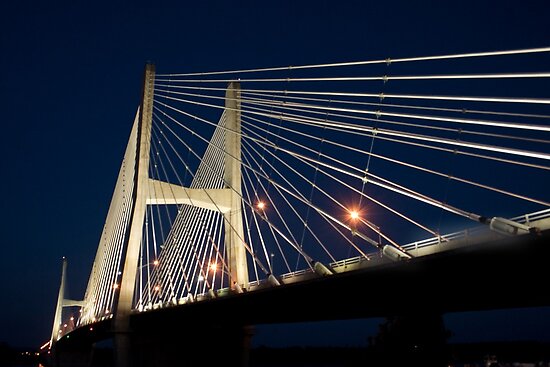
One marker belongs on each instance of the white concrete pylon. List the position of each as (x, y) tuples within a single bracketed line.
[(233, 219), (137, 218)]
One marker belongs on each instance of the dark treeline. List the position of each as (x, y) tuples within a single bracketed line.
[(477, 354), (460, 354)]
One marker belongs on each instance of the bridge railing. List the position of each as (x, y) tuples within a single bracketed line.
[(376, 257), (443, 240), (471, 232), (533, 217), (436, 240)]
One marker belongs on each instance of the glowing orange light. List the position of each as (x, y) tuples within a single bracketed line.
[(157, 288), (213, 266), (115, 286), (156, 262), (354, 214), (260, 205)]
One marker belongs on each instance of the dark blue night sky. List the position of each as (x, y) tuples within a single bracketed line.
[(70, 85)]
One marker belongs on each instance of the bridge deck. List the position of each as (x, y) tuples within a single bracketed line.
[(493, 274)]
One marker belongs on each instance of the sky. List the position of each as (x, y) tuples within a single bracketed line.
[(71, 82)]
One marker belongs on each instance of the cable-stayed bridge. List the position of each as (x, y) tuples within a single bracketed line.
[(315, 192)]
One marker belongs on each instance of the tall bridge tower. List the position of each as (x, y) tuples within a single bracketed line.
[(227, 201), (234, 232)]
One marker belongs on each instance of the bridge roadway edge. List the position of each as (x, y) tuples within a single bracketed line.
[(507, 273)]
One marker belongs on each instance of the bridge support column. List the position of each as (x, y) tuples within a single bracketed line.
[(233, 219), (141, 178)]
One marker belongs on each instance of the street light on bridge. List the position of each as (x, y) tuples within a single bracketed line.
[(213, 266), (354, 219)]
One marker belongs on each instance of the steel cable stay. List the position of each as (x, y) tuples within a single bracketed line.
[(208, 228), (377, 113), (274, 204), (210, 181), (342, 125), (156, 173), (106, 265), (147, 285), (173, 235), (115, 257), (286, 201), (409, 193), (330, 197), (388, 185), (248, 234), (396, 161), (421, 137), (370, 62), (175, 232), (254, 215), (302, 197), (307, 257), (360, 128), (198, 157), (192, 235), (193, 153), (383, 78), (370, 198), (277, 212), (462, 111), (379, 96), (113, 254), (303, 108), (423, 126), (304, 200), (170, 236)]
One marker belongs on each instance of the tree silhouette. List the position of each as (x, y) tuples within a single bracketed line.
[(415, 340)]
